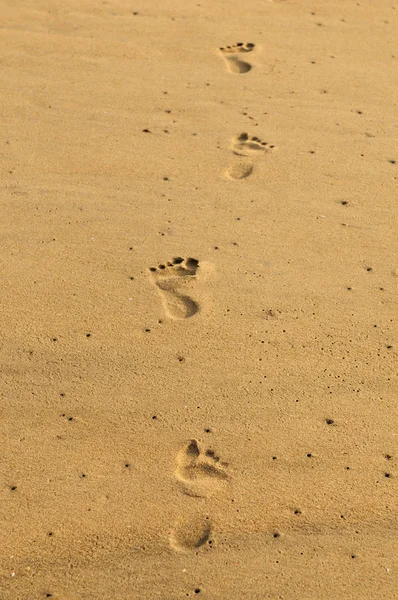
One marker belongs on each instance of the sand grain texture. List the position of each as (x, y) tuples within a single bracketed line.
[(199, 300)]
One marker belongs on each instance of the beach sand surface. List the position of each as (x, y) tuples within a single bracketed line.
[(199, 270)]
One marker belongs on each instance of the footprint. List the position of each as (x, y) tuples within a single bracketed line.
[(232, 55), (200, 473), (191, 533), (173, 280), (249, 148)]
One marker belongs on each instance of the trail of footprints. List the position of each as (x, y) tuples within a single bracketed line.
[(175, 279), (199, 474), (248, 148)]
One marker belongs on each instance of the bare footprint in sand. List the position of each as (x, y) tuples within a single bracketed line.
[(199, 473), (249, 149), (173, 281), (232, 56)]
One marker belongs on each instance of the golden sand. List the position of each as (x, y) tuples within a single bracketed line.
[(199, 269)]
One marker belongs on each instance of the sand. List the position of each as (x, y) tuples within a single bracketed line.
[(198, 300)]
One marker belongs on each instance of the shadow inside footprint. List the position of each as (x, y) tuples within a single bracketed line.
[(232, 56), (239, 170), (190, 533), (173, 279), (235, 65)]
